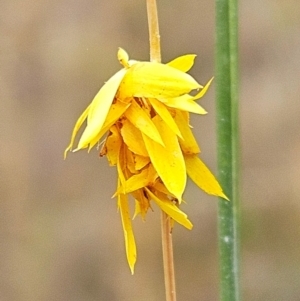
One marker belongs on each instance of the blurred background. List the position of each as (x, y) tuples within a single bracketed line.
[(60, 232)]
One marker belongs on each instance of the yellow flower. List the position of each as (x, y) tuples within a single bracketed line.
[(145, 109)]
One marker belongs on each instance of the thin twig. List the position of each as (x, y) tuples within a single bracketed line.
[(155, 53), (166, 228), (167, 246)]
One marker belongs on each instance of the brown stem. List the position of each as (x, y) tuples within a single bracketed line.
[(155, 54), (166, 228), (167, 246)]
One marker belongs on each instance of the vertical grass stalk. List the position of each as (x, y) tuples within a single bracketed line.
[(166, 229), (228, 146)]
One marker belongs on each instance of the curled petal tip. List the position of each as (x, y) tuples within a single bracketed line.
[(65, 153), (123, 57)]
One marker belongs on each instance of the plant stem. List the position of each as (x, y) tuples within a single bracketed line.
[(155, 53), (167, 247), (228, 145), (166, 228)]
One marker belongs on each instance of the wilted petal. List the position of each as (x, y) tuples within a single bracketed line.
[(99, 108), (139, 118), (142, 203), (136, 182), (77, 126), (130, 164), (202, 176), (183, 63), (128, 233), (168, 161), (115, 112), (149, 79), (141, 161), (133, 138), (160, 187), (188, 144), (145, 178), (120, 168), (171, 209), (113, 144)]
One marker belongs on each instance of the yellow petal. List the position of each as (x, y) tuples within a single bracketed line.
[(171, 209), (204, 90), (113, 145), (123, 57), (99, 108), (128, 233), (115, 112), (142, 203), (188, 144), (160, 187), (183, 63), (140, 161), (139, 118), (145, 178), (185, 103), (130, 164), (78, 124), (168, 161), (150, 79), (133, 138), (120, 169), (163, 112), (202, 176)]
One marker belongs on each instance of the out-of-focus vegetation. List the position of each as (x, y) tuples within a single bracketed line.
[(60, 235)]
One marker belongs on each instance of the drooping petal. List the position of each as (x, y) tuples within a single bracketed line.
[(115, 112), (185, 103), (167, 160), (130, 164), (163, 112), (188, 144), (142, 203), (128, 233), (121, 168), (77, 126), (123, 57), (139, 118), (99, 108), (149, 79), (113, 145), (145, 178), (160, 187), (137, 181), (171, 209), (133, 138), (202, 176), (204, 90), (183, 63), (140, 161)]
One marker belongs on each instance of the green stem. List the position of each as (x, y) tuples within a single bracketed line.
[(228, 145)]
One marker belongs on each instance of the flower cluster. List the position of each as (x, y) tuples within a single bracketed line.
[(144, 109)]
